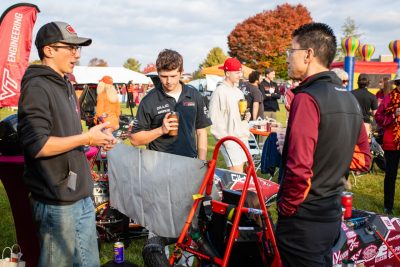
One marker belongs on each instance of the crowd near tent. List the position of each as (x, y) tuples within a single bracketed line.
[(119, 75), (374, 70)]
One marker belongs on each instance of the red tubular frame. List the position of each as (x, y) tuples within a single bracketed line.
[(184, 239)]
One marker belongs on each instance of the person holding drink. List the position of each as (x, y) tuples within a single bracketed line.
[(172, 118), (243, 107), (226, 112), (388, 117)]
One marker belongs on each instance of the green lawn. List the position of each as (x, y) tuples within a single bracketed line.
[(368, 195)]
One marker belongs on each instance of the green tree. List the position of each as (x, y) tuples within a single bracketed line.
[(349, 29), (216, 56), (98, 62), (132, 64), (35, 62), (197, 75)]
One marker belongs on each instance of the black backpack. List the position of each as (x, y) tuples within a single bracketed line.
[(87, 103)]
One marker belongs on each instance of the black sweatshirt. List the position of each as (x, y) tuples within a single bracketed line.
[(47, 107)]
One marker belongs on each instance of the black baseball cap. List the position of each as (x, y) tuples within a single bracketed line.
[(58, 31)]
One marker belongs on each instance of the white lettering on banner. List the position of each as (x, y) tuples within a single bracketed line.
[(356, 255), (390, 239), (336, 257), (9, 86), (352, 243), (382, 253), (370, 252), (386, 221), (395, 221), (14, 38)]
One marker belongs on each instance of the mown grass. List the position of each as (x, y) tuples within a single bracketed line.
[(368, 195)]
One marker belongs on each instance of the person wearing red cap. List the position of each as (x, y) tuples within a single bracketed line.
[(57, 173), (107, 108), (225, 115)]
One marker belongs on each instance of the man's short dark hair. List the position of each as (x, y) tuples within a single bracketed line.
[(168, 60), (254, 76), (363, 81), (320, 38), (268, 71)]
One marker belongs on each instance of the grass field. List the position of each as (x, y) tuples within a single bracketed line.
[(368, 195)]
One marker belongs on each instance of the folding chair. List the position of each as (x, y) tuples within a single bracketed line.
[(255, 151)]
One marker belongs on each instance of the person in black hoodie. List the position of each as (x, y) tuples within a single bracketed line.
[(57, 172), (324, 128), (271, 94)]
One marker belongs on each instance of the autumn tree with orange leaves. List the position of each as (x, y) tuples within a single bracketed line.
[(260, 41), (151, 67)]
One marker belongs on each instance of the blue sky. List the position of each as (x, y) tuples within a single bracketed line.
[(141, 29)]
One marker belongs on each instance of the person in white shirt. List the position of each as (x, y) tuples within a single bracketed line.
[(226, 118)]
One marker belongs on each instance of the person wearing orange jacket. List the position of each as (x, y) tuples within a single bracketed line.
[(107, 108)]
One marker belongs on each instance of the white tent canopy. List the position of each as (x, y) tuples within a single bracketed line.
[(84, 74)]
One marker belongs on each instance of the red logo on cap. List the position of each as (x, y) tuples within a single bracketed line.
[(70, 29)]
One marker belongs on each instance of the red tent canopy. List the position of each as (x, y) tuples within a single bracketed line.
[(375, 70), (370, 67)]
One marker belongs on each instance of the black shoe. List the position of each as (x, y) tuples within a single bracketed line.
[(388, 211)]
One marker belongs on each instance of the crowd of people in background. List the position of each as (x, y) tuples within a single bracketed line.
[(173, 118)]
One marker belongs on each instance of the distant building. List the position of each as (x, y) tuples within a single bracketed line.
[(386, 58)]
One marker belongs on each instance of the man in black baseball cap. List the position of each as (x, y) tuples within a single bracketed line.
[(62, 32), (57, 173)]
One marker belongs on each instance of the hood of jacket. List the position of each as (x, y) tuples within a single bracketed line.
[(34, 71)]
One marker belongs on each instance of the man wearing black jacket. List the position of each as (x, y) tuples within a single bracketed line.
[(270, 91), (324, 128), (57, 172)]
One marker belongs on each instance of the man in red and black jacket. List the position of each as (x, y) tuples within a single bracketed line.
[(324, 128)]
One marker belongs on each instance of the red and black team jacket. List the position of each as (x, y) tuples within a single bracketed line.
[(324, 128)]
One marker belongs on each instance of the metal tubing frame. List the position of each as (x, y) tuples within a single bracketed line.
[(206, 187)]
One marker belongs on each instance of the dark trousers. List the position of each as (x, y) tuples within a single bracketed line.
[(304, 243), (130, 101), (392, 158)]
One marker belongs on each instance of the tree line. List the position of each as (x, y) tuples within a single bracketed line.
[(258, 42)]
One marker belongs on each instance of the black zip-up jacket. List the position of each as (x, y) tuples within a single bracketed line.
[(270, 100), (338, 133), (47, 107)]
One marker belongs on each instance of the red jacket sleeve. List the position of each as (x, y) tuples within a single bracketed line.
[(302, 141), (362, 155)]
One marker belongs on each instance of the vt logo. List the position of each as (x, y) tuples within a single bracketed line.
[(9, 86)]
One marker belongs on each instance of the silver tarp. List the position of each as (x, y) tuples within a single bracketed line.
[(154, 188)]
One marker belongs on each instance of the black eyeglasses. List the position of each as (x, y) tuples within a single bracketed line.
[(289, 51), (72, 48)]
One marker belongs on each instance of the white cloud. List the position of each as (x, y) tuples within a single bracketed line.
[(142, 28)]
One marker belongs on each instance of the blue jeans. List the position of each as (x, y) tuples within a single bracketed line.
[(67, 234)]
